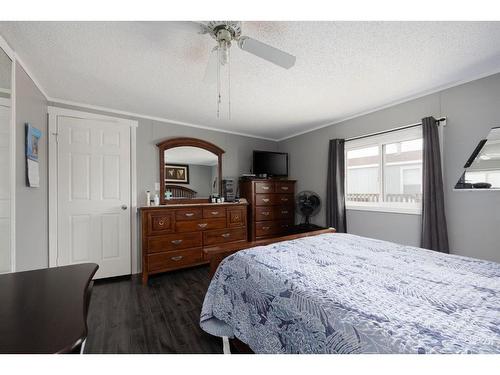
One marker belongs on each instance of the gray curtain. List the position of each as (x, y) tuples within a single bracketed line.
[(434, 231), (335, 195)]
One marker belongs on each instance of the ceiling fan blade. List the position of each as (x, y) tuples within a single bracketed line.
[(211, 68), (267, 52), (190, 26)]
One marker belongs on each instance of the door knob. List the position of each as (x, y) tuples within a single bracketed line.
[(124, 206)]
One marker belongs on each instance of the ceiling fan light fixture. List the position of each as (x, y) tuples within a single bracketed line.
[(224, 52), (224, 37)]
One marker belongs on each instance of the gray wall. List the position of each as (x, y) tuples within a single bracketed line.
[(237, 158), (473, 217), (31, 203), (309, 157)]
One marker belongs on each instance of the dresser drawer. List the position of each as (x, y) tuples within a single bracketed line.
[(160, 223), (188, 214), (266, 228), (199, 225), (284, 226), (174, 259), (174, 242), (225, 235), (236, 217), (214, 212), (264, 213), (264, 187), (283, 212), (284, 199), (284, 187), (264, 199)]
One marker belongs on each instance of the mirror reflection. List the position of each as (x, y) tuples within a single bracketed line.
[(190, 172), (482, 170)]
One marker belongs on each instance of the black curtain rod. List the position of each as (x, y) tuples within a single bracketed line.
[(438, 120)]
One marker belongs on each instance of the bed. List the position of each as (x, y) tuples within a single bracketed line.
[(341, 293)]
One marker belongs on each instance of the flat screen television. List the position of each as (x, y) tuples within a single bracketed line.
[(270, 163)]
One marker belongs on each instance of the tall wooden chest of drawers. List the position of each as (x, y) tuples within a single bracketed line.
[(271, 210), (174, 235)]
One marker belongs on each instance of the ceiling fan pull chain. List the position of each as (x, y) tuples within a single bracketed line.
[(218, 80), (229, 82)]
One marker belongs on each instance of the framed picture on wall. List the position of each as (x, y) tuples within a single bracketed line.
[(33, 136), (177, 173)]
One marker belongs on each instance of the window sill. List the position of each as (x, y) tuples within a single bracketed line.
[(393, 210), (469, 190)]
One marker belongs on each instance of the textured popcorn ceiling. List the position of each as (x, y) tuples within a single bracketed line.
[(343, 68)]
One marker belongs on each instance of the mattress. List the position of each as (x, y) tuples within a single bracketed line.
[(341, 293)]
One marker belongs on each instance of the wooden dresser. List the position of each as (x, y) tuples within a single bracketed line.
[(174, 235), (271, 211)]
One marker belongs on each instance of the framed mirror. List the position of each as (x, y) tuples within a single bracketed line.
[(190, 170), (482, 169)]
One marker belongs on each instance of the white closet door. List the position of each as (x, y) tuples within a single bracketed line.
[(93, 181), (5, 186)]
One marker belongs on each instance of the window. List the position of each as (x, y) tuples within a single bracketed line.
[(384, 172)]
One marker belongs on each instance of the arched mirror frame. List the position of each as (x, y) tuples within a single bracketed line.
[(182, 142)]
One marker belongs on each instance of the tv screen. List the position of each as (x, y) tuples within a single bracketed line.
[(270, 163)]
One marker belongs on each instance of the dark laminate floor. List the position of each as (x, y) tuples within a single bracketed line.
[(126, 317)]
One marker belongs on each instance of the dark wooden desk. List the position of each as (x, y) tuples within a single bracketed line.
[(45, 311), (216, 254)]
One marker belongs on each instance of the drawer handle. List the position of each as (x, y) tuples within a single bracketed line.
[(265, 187), (176, 242), (161, 223), (266, 228), (189, 214), (265, 200), (266, 213), (202, 225), (284, 226), (284, 199), (214, 212), (284, 188), (225, 235), (284, 212), (177, 258), (236, 217)]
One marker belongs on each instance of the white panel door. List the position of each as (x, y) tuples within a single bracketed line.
[(93, 189), (5, 186)]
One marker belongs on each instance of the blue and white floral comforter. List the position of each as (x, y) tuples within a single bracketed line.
[(340, 293)]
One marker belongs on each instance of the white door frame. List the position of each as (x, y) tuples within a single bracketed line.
[(53, 112), (12, 56)]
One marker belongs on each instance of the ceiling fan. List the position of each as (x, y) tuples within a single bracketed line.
[(225, 33)]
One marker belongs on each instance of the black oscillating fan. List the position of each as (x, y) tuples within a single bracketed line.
[(308, 204)]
